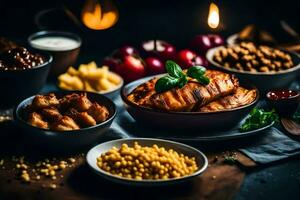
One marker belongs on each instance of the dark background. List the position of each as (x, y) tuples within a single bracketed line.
[(174, 21)]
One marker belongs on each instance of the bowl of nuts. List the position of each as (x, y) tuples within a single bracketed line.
[(146, 161), (264, 66)]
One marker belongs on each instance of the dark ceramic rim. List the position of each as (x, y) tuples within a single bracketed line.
[(196, 173), (46, 55), (125, 99), (50, 32), (284, 99), (211, 52), (230, 136), (19, 119)]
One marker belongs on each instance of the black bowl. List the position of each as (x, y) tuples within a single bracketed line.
[(264, 81), (16, 85), (201, 121), (65, 139)]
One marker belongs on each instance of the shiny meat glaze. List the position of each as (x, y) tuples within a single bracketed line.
[(240, 98), (141, 94), (192, 96)]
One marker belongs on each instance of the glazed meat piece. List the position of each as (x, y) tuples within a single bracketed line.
[(240, 98), (43, 101), (35, 119), (78, 101), (98, 112), (142, 93), (52, 114), (65, 124), (190, 97), (86, 120), (82, 118), (70, 112)]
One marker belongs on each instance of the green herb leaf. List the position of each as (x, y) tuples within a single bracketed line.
[(177, 78), (196, 71), (182, 81), (259, 118), (230, 159), (174, 69), (203, 80), (166, 83)]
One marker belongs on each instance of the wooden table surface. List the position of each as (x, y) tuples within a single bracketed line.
[(220, 181)]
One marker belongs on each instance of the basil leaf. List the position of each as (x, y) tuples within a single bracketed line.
[(203, 80), (174, 69), (196, 71), (166, 83), (182, 81)]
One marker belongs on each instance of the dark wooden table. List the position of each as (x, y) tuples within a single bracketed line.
[(242, 180)]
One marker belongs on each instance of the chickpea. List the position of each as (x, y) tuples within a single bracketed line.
[(264, 69)]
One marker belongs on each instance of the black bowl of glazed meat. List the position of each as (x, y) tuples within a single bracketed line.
[(66, 128), (22, 74), (172, 120)]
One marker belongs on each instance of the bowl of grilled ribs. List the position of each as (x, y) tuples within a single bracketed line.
[(265, 67), (65, 119), (202, 99)]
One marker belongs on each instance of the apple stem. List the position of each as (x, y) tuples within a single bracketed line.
[(155, 46)]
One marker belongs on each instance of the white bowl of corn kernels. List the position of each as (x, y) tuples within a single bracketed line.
[(146, 161), (91, 78)]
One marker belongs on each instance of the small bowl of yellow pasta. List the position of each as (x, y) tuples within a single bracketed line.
[(91, 78)]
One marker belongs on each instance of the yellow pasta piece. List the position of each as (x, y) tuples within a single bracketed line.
[(91, 65), (73, 82), (64, 86), (96, 74), (105, 84), (88, 87), (114, 78), (72, 71), (83, 70)]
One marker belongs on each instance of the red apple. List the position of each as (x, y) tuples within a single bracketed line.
[(202, 43), (111, 62), (158, 48), (125, 51), (187, 58), (154, 66), (131, 68)]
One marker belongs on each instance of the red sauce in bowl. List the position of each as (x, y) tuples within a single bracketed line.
[(281, 94)]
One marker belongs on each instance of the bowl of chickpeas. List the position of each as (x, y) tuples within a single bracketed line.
[(265, 67), (146, 161)]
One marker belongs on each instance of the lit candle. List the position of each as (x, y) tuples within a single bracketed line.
[(213, 18), (98, 16)]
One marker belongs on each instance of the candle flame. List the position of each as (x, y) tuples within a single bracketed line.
[(98, 16), (213, 19)]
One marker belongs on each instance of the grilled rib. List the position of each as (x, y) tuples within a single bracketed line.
[(141, 94), (240, 98), (190, 97)]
